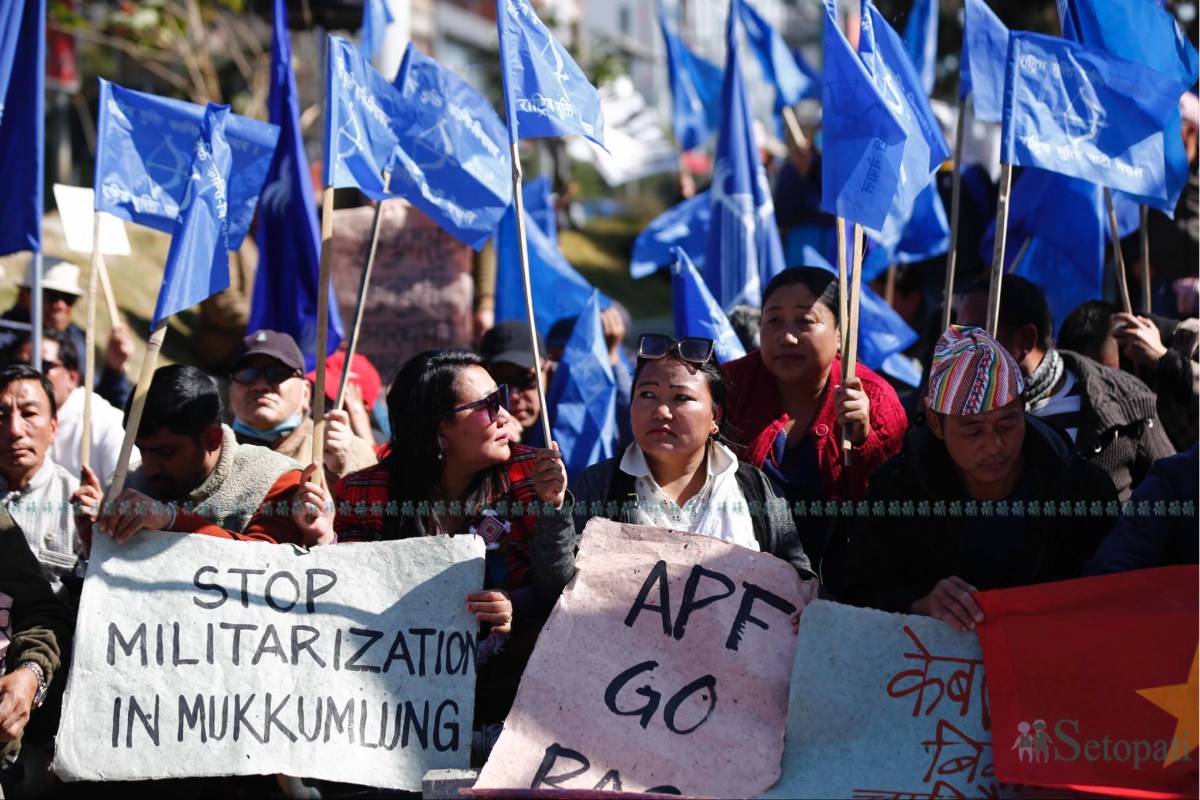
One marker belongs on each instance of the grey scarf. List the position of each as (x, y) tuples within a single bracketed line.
[(1042, 380)]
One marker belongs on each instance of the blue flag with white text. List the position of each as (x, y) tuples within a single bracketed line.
[(22, 123), (289, 241), (695, 90), (744, 250), (1082, 112), (920, 37), (545, 92), (684, 225), (1148, 34), (778, 65), (198, 261), (863, 139), (583, 395), (144, 147), (984, 59), (558, 289), (440, 142), (696, 312), (376, 17)]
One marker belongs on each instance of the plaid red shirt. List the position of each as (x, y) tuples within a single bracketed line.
[(367, 513)]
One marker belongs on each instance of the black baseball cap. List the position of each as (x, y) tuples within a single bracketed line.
[(274, 344), (508, 343)]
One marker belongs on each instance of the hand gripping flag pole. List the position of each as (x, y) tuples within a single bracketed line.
[(850, 354)]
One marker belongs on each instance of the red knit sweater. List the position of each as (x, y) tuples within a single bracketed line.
[(757, 417)]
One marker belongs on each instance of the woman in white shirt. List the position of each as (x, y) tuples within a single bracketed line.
[(678, 473)]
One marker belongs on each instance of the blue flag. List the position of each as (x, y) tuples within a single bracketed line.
[(984, 59), (440, 141), (22, 123), (1148, 34), (697, 313), (376, 17), (684, 225), (924, 235), (882, 141), (920, 37), (583, 395), (289, 241), (744, 251), (558, 289), (539, 206), (198, 261), (1079, 111), (144, 144), (815, 80), (695, 90), (1065, 221), (778, 65), (545, 92), (882, 333)]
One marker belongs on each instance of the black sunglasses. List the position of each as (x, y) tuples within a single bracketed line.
[(274, 373), (494, 402), (692, 349)]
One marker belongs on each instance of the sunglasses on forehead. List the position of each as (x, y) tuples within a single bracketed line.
[(493, 402), (692, 349)]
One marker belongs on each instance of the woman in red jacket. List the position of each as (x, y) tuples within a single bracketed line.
[(788, 405)]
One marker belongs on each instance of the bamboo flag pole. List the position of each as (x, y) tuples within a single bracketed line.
[(524, 250), (318, 441), (955, 202), (360, 303), (793, 126), (1118, 256), (889, 284), (1016, 262), (141, 389), (114, 314), (89, 356), (843, 288), (850, 356), (1144, 236), (993, 308)]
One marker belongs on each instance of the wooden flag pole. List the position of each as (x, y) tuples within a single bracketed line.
[(89, 356), (955, 202), (114, 314), (850, 356), (360, 303), (1118, 256), (1144, 236), (140, 390), (1016, 262), (889, 285), (524, 250), (793, 127), (993, 307), (843, 288), (318, 441)]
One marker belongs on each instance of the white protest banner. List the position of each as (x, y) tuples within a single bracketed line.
[(664, 667), (887, 706), (197, 656), (75, 209)]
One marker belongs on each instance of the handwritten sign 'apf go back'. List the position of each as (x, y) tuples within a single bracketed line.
[(197, 656), (664, 667)]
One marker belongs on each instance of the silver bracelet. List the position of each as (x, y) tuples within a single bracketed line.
[(40, 674)]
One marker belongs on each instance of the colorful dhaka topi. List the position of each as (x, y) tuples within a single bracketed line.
[(971, 373)]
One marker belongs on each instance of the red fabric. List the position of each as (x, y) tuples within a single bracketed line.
[(362, 373), (1086, 657), (757, 418)]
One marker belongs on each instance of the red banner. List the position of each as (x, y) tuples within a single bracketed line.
[(1093, 683)]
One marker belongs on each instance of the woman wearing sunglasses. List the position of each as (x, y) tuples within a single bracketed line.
[(450, 469), (679, 472), (790, 408)]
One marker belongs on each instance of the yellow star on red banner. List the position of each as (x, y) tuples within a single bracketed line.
[(1180, 701)]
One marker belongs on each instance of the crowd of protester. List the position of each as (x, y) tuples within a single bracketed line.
[(1022, 462)]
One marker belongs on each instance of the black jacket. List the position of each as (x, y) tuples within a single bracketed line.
[(913, 536)]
